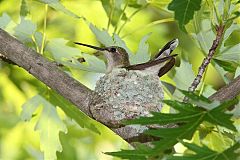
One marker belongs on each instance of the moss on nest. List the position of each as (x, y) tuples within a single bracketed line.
[(126, 95)]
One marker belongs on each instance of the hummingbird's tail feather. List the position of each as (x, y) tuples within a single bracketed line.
[(167, 49), (90, 46), (166, 67)]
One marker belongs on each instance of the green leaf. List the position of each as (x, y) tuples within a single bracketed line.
[(102, 36), (68, 56), (30, 107), (142, 54), (139, 154), (160, 4), (208, 90), (49, 125), (179, 126), (113, 10), (203, 152), (213, 115), (119, 42), (181, 106), (227, 66), (73, 112), (184, 10), (24, 11), (183, 132), (25, 30), (60, 51), (4, 20), (183, 82), (138, 3), (205, 35), (237, 73), (200, 101), (59, 7), (230, 53)]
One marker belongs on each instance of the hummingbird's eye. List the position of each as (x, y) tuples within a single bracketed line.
[(113, 49)]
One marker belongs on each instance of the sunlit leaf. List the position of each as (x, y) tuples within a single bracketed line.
[(182, 81), (60, 51), (203, 152), (140, 153), (205, 35), (237, 73), (49, 125), (30, 107), (73, 112), (119, 42), (113, 10), (160, 4), (184, 10), (102, 36), (208, 90), (56, 4), (24, 11), (68, 56), (227, 66), (25, 30), (4, 20), (230, 53), (184, 124), (142, 54), (137, 3)]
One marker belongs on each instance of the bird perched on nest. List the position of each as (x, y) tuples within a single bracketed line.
[(128, 91)]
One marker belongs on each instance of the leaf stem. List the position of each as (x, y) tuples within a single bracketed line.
[(44, 29), (36, 45), (119, 19), (130, 17), (112, 2), (206, 60)]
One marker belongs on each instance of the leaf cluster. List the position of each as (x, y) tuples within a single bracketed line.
[(181, 126)]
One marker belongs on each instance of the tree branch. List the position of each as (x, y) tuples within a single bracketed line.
[(48, 72), (45, 71), (227, 92), (206, 61)]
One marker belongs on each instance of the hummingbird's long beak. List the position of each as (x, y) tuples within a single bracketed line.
[(90, 46)]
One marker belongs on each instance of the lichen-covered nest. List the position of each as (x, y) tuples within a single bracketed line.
[(124, 94)]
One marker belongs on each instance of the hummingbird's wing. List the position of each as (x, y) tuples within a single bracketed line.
[(166, 67), (158, 66), (167, 49)]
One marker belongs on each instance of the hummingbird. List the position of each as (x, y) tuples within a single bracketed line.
[(117, 57)]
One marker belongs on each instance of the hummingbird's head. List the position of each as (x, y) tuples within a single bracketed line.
[(117, 57)]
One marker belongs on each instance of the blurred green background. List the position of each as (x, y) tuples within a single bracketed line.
[(18, 140)]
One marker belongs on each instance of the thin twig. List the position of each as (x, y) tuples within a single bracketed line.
[(44, 30), (119, 19), (206, 61), (130, 17), (111, 13)]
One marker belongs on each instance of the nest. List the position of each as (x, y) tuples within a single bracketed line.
[(123, 94)]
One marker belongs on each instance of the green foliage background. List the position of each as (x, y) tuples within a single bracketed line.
[(53, 125)]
